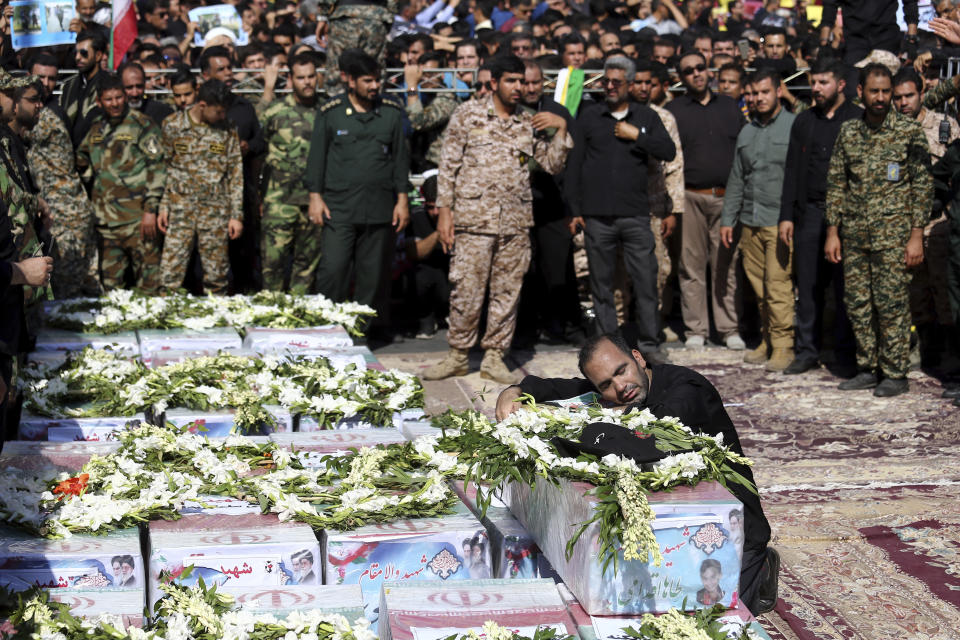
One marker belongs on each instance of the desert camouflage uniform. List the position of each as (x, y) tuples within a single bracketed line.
[(666, 191), (126, 160), (202, 192), (929, 297), (53, 163), (433, 119), (286, 227), (878, 189), (485, 179), (364, 26)]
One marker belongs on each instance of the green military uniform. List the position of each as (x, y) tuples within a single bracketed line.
[(202, 193), (285, 228), (53, 164), (126, 159), (878, 189), (358, 162), (361, 24)]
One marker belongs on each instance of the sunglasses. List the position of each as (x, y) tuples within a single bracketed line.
[(477, 86), (608, 82), (689, 70), (83, 53)]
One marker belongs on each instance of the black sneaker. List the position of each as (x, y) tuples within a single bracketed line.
[(801, 365), (891, 387), (863, 380), (768, 593)]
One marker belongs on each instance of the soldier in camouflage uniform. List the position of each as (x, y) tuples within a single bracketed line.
[(125, 161), (484, 194), (203, 191), (53, 165), (287, 126), (879, 197), (360, 24), (78, 95), (428, 114)]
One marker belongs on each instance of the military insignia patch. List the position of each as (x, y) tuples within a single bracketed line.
[(123, 137), (96, 139), (181, 147), (218, 148), (151, 146), (893, 172)]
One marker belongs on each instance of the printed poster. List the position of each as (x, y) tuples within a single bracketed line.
[(41, 23), (219, 15)]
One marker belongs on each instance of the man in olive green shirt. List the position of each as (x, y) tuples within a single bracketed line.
[(357, 179)]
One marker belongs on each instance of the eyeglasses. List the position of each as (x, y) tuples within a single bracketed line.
[(83, 53), (700, 68), (610, 82)]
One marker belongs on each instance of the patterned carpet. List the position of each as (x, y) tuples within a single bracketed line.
[(861, 492)]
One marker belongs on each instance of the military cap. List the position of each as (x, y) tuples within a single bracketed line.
[(9, 81), (879, 56)]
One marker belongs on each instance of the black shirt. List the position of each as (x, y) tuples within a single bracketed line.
[(11, 296), (808, 158), (155, 110), (685, 394), (421, 226), (708, 135), (869, 24), (606, 175), (547, 190)]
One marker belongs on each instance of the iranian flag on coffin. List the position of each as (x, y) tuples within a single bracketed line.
[(124, 29)]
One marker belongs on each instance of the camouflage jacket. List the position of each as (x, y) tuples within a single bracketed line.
[(485, 170), (878, 183), (126, 159), (204, 167), (931, 129), (52, 161), (18, 191), (287, 127), (665, 179)]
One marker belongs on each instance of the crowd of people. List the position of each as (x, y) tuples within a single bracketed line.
[(743, 161)]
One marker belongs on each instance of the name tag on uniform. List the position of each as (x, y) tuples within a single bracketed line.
[(478, 132), (218, 147), (123, 137), (893, 172), (96, 139), (181, 147)]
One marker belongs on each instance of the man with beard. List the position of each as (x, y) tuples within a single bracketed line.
[(79, 95), (614, 139), (123, 153), (802, 209), (134, 85), (356, 177), (549, 297), (752, 202), (53, 165), (287, 231), (621, 376), (485, 205), (879, 197)]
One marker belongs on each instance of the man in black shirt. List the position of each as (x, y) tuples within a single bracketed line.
[(612, 144), (802, 209), (431, 265), (620, 375), (709, 125), (869, 25)]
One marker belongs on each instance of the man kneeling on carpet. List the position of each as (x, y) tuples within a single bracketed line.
[(622, 378)]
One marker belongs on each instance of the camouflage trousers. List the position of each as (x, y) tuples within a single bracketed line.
[(878, 304), (359, 26), (929, 290), (207, 228), (75, 271), (480, 262), (121, 248), (288, 234)]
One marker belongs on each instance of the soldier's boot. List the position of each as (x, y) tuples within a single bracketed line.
[(758, 355), (455, 364), (780, 359), (493, 368)]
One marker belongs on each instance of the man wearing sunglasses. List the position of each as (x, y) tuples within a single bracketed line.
[(709, 124), (614, 144), (79, 95)]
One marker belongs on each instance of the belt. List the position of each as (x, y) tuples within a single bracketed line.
[(711, 191)]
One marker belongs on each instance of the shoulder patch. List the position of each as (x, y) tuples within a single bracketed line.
[(391, 103), (151, 146), (330, 105)]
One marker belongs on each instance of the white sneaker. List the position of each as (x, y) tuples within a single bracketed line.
[(735, 343), (694, 342)]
